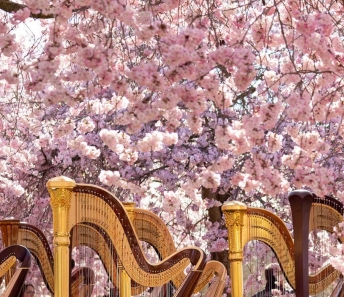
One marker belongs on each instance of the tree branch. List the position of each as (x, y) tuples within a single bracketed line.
[(12, 7)]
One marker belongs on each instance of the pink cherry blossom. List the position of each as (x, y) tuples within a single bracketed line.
[(175, 105)]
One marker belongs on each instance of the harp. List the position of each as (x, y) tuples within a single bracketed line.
[(309, 213), (339, 290), (102, 215), (82, 281), (15, 232), (8, 258), (151, 229)]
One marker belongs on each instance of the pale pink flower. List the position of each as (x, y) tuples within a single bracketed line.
[(109, 178), (219, 245), (210, 179), (86, 125), (21, 14), (17, 190)]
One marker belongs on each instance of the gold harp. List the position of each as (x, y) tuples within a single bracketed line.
[(16, 232), (94, 208), (151, 229), (245, 224)]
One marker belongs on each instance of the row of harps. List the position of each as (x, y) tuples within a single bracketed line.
[(91, 216), (87, 215)]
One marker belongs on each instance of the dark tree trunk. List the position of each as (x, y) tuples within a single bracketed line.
[(215, 215)]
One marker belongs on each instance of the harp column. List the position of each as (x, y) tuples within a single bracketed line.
[(61, 192), (301, 204), (124, 279), (235, 216)]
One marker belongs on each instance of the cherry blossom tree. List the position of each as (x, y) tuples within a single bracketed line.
[(176, 105)]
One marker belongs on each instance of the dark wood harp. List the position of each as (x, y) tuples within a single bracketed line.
[(309, 213), (102, 215), (8, 258)]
